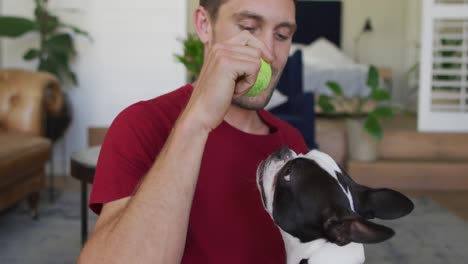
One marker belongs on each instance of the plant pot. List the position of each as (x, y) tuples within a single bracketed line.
[(361, 145)]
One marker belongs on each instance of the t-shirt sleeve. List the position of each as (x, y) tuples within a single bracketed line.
[(127, 153)]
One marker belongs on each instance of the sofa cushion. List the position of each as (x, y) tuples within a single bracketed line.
[(20, 155)]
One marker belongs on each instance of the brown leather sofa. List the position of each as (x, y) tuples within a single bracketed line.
[(26, 99)]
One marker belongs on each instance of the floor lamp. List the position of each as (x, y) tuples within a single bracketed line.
[(366, 29)]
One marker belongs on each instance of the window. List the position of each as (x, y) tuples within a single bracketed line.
[(443, 97)]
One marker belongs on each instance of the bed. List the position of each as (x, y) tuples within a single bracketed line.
[(318, 36)]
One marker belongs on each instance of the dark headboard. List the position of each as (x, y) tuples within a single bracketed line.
[(318, 19)]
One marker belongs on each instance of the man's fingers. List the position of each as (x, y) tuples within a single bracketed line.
[(245, 38), (247, 50), (247, 70), (240, 52)]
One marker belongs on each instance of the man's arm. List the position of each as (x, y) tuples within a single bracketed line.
[(153, 223), (151, 226)]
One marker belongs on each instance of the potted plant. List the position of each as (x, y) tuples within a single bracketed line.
[(193, 56), (56, 48), (364, 127), (55, 51)]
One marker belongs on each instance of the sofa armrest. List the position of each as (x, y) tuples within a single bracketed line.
[(26, 98)]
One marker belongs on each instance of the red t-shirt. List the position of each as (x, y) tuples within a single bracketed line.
[(228, 223)]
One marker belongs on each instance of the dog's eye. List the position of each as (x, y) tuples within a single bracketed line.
[(287, 178)]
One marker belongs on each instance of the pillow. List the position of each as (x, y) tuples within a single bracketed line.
[(295, 47), (325, 53), (277, 99)]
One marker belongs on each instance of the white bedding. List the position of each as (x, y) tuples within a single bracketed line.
[(323, 62), (351, 79)]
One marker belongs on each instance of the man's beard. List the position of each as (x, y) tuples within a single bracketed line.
[(254, 103)]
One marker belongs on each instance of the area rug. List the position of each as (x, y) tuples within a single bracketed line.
[(429, 235), (55, 238)]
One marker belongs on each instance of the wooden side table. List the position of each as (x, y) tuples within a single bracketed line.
[(83, 166)]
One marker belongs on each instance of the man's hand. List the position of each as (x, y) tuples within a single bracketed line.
[(229, 71)]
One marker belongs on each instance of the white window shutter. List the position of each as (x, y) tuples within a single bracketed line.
[(443, 92)]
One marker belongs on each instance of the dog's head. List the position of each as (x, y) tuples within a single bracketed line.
[(309, 196)]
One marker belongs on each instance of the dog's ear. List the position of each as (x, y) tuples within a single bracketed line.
[(342, 226), (384, 204), (380, 203)]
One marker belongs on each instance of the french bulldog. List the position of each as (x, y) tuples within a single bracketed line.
[(321, 212)]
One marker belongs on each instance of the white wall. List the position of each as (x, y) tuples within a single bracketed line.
[(192, 5), (382, 47), (393, 43), (130, 58)]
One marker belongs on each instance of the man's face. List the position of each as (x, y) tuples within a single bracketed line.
[(271, 21)]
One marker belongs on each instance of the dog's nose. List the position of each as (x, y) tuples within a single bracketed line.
[(284, 153)]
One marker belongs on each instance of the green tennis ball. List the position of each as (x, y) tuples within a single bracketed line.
[(263, 79)]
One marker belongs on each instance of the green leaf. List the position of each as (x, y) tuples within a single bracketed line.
[(193, 54), (50, 66), (325, 104), (69, 75), (380, 95), (384, 112), (335, 87), (72, 76), (191, 67), (76, 30), (373, 77), (58, 64), (59, 58), (15, 26), (51, 23), (180, 58), (62, 43), (47, 22), (31, 54), (373, 127)]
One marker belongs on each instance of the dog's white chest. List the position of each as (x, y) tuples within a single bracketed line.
[(322, 252), (330, 253)]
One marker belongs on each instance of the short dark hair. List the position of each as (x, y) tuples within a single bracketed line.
[(212, 6)]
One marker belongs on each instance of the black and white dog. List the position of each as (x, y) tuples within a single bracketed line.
[(321, 212)]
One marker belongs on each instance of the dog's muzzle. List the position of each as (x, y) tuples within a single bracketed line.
[(267, 170)]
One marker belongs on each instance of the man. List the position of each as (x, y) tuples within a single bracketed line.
[(175, 181)]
